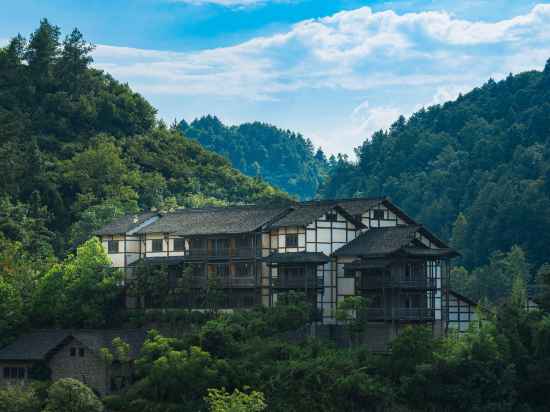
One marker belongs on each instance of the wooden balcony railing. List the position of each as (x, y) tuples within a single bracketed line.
[(312, 282), (201, 282), (403, 314), (379, 283), (223, 252)]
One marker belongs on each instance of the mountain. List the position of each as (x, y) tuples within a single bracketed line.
[(476, 170), (281, 157), (79, 148)]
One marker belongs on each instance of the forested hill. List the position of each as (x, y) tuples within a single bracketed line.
[(480, 164), (281, 157), (78, 148)]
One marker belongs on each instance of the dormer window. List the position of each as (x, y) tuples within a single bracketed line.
[(291, 240), (378, 214), (113, 246), (157, 245)]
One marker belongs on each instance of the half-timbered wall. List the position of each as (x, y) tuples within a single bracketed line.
[(461, 313), (325, 234), (381, 216)]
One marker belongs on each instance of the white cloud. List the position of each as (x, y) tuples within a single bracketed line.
[(427, 56), (355, 50)]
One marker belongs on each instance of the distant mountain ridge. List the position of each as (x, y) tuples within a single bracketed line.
[(476, 170), (283, 158)]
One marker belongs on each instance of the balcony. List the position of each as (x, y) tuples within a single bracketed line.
[(201, 282), (222, 253), (401, 314), (367, 282), (312, 282), (238, 282)]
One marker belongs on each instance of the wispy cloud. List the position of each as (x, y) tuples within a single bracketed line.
[(355, 50), (360, 52)]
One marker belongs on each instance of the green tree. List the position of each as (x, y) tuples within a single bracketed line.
[(219, 400), (18, 398), (70, 395), (543, 283), (353, 312), (11, 307), (81, 291)]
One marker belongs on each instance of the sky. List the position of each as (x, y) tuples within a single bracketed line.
[(334, 70)]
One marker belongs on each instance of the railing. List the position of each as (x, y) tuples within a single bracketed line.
[(378, 283), (238, 282), (222, 252), (201, 282), (312, 282), (404, 314)]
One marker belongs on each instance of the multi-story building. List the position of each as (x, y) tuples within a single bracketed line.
[(325, 249)]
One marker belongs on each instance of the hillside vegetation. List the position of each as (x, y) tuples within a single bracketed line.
[(79, 148), (475, 170), (283, 158)]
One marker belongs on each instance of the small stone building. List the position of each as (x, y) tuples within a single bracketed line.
[(56, 354)]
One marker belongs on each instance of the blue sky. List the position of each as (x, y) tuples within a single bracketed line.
[(334, 70)]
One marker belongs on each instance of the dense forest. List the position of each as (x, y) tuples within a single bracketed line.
[(281, 157), (475, 170), (79, 148)]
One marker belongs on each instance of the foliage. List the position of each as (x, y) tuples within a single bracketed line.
[(219, 400), (70, 395), (11, 308), (353, 312), (81, 291), (79, 149), (281, 157), (476, 170), (19, 398), (494, 280)]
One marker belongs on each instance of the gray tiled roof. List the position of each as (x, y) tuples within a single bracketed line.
[(303, 214), (37, 345), (359, 206), (428, 252), (219, 220), (379, 241), (125, 224), (297, 257)]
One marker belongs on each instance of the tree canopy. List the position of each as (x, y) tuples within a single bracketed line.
[(283, 158)]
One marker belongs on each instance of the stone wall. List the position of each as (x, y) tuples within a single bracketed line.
[(85, 366)]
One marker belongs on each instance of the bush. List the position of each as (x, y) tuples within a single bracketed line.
[(70, 395)]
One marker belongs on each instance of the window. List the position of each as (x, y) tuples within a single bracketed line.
[(73, 351), (293, 272), (81, 352), (220, 270), (331, 216), (179, 245), (113, 246), (157, 245), (378, 214), (243, 269), (292, 240), (14, 373)]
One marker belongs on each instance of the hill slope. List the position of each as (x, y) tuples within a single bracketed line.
[(480, 164), (281, 157), (79, 148)]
